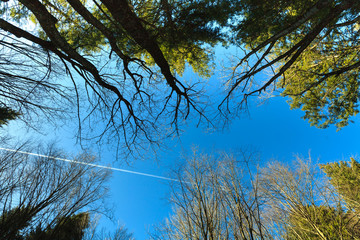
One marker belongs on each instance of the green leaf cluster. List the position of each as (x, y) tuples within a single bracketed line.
[(326, 98), (326, 221), (65, 228), (72, 227), (324, 80), (259, 20), (184, 30), (318, 222), (7, 114), (345, 177)]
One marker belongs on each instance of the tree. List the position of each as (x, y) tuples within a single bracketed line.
[(7, 114), (30, 82), (120, 233), (130, 55), (321, 222), (136, 90), (345, 177), (303, 205), (71, 227), (12, 221), (214, 199), (221, 198), (310, 49), (41, 197)]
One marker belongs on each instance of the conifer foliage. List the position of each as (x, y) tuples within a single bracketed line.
[(125, 60)]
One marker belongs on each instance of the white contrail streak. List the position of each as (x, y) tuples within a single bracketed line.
[(91, 164)]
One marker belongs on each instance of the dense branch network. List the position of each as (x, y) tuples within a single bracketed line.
[(130, 55), (309, 53), (131, 96)]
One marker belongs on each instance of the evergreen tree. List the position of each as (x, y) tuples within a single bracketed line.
[(318, 222), (310, 48), (345, 177), (144, 46), (131, 55), (13, 221), (301, 204), (7, 114), (66, 228), (328, 222)]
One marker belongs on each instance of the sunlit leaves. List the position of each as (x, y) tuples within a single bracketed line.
[(311, 49), (262, 19), (345, 176), (325, 97), (181, 45)]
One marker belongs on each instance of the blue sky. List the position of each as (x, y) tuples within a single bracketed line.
[(271, 129)]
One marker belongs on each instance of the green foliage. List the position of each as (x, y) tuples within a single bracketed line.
[(325, 98), (304, 205), (310, 46), (323, 80), (81, 35), (326, 222), (66, 228), (7, 114), (262, 19), (13, 221), (317, 222), (345, 177), (42, 199), (198, 58), (70, 228), (181, 29)]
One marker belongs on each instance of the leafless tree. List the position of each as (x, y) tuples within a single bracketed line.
[(215, 198), (120, 233), (221, 198), (39, 190), (30, 82)]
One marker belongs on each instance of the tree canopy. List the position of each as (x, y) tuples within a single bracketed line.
[(227, 198), (345, 178), (65, 228), (130, 56), (43, 198), (310, 49), (7, 114)]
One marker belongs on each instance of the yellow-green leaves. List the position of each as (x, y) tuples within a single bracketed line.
[(326, 97), (199, 58)]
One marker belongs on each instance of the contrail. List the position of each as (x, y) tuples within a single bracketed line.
[(91, 164)]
